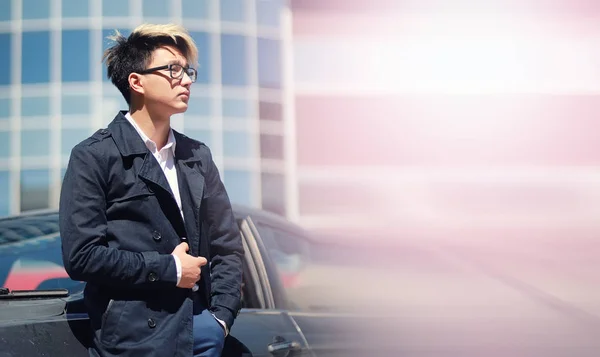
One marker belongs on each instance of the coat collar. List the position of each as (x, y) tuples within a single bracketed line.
[(126, 138)]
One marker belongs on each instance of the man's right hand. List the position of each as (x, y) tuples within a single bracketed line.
[(190, 266)]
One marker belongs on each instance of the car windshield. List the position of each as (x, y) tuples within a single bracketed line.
[(30, 254)]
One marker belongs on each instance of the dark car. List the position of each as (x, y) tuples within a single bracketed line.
[(42, 314)]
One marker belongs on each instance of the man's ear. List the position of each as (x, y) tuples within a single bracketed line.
[(135, 83)]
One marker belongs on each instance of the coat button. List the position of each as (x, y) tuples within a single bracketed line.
[(152, 277), (151, 323), (156, 236)]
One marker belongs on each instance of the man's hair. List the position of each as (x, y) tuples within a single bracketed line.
[(134, 53)]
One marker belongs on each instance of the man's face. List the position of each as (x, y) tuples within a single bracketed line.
[(163, 94)]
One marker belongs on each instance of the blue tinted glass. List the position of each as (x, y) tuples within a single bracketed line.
[(35, 106), (4, 144), (70, 138), (5, 10), (195, 9), (233, 60), (4, 193), (202, 40), (106, 43), (237, 144), (75, 8), (75, 104), (34, 189), (76, 56), (204, 136), (199, 105), (35, 143), (5, 58), (269, 63), (233, 10), (237, 108), (115, 8), (238, 185), (268, 12), (156, 8), (36, 57), (36, 9), (4, 108)]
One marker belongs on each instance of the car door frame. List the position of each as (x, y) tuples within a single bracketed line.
[(257, 266)]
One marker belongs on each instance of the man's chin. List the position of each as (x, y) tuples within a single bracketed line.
[(180, 108)]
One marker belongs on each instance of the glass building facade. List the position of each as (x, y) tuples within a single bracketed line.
[(54, 91)]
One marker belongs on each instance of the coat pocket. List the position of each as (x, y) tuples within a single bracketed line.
[(110, 321)]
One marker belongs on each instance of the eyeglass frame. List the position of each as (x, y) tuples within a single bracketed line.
[(170, 68)]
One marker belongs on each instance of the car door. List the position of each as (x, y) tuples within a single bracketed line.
[(296, 271), (261, 327)]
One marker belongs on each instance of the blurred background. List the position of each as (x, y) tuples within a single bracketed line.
[(449, 149)]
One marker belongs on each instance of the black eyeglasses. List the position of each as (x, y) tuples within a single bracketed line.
[(176, 71)]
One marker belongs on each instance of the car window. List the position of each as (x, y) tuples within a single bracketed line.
[(289, 251), (30, 254)]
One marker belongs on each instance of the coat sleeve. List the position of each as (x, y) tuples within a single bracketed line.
[(225, 247), (83, 228)]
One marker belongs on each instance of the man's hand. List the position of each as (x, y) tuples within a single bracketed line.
[(190, 266)]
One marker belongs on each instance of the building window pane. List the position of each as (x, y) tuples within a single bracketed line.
[(111, 105), (76, 56), (269, 63), (201, 135), (115, 8), (5, 10), (270, 111), (237, 143), (106, 43), (236, 108), (70, 138), (75, 104), (36, 9), (202, 40), (233, 60), (273, 193), (268, 12), (156, 8), (238, 186), (35, 189), (233, 10), (199, 105), (4, 144), (35, 106), (5, 58), (195, 9), (271, 146), (4, 108), (36, 57), (5, 193), (75, 8), (35, 143)]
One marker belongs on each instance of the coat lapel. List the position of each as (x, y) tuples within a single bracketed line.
[(151, 172), (130, 143), (191, 188)]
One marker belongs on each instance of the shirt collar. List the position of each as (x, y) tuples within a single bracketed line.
[(151, 145)]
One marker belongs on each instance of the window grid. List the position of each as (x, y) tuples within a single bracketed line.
[(56, 90)]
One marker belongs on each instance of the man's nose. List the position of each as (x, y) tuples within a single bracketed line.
[(186, 80)]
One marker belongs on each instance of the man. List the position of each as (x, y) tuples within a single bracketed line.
[(143, 210)]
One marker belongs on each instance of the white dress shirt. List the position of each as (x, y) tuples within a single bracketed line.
[(166, 159)]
